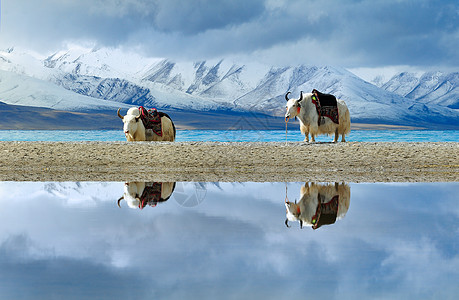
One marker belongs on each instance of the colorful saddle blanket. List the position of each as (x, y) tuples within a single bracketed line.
[(151, 194), (326, 213), (151, 119), (326, 106)]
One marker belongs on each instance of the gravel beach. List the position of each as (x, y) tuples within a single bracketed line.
[(213, 161)]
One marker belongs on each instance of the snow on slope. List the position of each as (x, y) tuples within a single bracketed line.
[(111, 74), (27, 91), (434, 88), (101, 62), (218, 80), (72, 194), (23, 63)]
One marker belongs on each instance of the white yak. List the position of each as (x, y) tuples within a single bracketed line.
[(320, 204), (306, 111), (134, 130), (139, 194)]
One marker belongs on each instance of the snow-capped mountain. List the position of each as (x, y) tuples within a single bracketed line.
[(110, 77), (24, 90), (435, 88)]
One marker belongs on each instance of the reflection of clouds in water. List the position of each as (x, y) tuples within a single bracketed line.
[(408, 231), (395, 240), (421, 259), (190, 194)]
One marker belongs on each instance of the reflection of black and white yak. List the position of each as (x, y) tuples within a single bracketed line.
[(320, 204), (310, 122), (134, 128), (141, 194)]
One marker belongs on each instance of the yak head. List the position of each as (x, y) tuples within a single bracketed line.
[(131, 122), (131, 194), (293, 106), (293, 213)]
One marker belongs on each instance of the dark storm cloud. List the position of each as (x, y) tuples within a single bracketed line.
[(114, 21), (192, 17), (351, 33), (403, 32)]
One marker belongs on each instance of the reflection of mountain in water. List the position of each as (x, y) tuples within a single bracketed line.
[(186, 194), (82, 191)]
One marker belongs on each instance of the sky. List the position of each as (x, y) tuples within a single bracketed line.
[(360, 34), (70, 241)]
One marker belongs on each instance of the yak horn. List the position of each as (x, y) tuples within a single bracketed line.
[(119, 201), (286, 223), (286, 96), (119, 115), (301, 95)]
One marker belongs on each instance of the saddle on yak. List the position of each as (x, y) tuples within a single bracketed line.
[(151, 195), (151, 119), (326, 106), (326, 213)]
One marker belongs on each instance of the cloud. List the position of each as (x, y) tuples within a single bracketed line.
[(60, 277), (352, 33), (192, 17), (235, 242)]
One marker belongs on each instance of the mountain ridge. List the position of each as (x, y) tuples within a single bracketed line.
[(217, 85)]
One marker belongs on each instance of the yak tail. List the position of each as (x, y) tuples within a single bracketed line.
[(163, 114), (347, 120)]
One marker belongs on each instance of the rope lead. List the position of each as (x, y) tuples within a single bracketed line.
[(286, 124)]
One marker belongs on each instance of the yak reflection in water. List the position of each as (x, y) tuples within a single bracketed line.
[(140, 194), (320, 204)]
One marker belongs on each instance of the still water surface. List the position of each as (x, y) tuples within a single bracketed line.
[(70, 240), (235, 135)]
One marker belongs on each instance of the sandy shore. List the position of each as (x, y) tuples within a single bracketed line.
[(209, 161)]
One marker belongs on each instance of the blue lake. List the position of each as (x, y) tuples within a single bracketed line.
[(236, 135), (70, 240)]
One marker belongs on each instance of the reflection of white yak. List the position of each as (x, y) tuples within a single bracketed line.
[(140, 194), (320, 204), (306, 111), (134, 130)]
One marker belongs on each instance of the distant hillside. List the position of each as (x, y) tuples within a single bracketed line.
[(27, 118)]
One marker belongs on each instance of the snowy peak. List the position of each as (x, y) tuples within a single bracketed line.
[(402, 84), (18, 89), (207, 79), (431, 87), (161, 72), (101, 62), (427, 83)]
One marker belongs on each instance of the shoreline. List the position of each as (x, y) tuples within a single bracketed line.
[(230, 161), (293, 124)]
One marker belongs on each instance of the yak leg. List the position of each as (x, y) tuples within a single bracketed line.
[(313, 139), (336, 136), (343, 139), (304, 130)]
